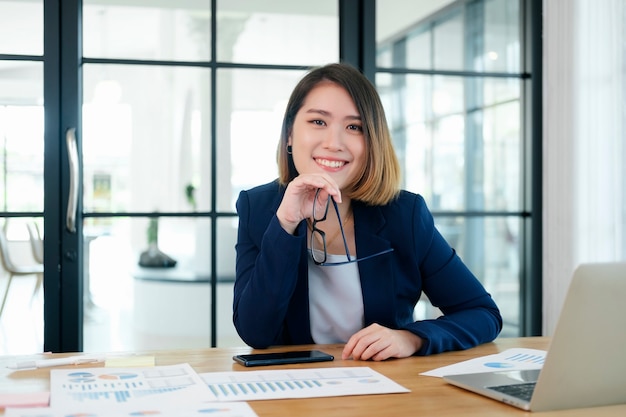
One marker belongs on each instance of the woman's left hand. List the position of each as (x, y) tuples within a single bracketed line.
[(378, 343)]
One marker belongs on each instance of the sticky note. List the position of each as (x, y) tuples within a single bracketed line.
[(24, 399)]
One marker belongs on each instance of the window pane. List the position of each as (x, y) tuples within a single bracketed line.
[(278, 32), (490, 246), (458, 139), (419, 50), (179, 30), (21, 136), (502, 162), (501, 52), (21, 27), (250, 108), (226, 332), (128, 306), (146, 148), (447, 35), (448, 50), (21, 326), (21, 131)]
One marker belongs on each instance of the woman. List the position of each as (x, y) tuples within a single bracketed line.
[(334, 252)]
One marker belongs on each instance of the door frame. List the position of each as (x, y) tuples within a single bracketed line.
[(63, 288)]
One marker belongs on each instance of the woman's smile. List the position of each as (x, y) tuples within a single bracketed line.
[(330, 163)]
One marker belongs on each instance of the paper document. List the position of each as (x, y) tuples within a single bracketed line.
[(298, 383), (135, 386), (162, 410), (516, 359)]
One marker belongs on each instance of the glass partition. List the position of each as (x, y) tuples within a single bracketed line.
[(277, 32), (250, 116), (449, 35), (449, 76), (146, 149), (21, 176), (169, 139), (21, 27), (164, 31)]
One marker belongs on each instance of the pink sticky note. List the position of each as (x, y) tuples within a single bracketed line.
[(25, 399)]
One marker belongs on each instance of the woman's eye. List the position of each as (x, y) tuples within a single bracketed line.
[(356, 128), (318, 122)]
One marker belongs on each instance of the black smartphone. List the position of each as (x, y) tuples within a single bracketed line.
[(281, 358)]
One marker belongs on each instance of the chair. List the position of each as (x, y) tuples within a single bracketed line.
[(36, 246), (36, 242), (15, 270)]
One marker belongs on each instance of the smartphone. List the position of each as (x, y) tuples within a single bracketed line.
[(281, 358)]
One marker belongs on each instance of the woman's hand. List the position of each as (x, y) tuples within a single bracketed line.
[(378, 343), (297, 202)]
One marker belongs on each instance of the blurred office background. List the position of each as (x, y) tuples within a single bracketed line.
[(130, 125)]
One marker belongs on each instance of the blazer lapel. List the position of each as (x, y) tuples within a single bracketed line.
[(376, 273)]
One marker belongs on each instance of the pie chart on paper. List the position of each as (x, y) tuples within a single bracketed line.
[(498, 365)]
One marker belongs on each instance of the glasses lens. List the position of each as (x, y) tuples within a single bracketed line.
[(320, 215), (318, 246)]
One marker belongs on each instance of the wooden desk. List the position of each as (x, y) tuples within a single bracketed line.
[(429, 396)]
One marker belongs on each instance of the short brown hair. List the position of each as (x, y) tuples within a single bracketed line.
[(378, 182)]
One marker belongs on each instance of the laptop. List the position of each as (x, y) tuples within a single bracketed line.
[(585, 365)]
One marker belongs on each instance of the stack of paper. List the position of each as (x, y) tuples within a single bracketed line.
[(178, 391), (175, 391)]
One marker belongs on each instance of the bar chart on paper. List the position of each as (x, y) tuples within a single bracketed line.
[(510, 361), (298, 383), (114, 386)]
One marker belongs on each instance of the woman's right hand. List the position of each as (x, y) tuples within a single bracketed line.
[(297, 202)]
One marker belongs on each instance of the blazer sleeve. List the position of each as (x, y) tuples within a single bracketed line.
[(470, 316), (267, 264)]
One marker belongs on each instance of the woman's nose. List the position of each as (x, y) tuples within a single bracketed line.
[(333, 138)]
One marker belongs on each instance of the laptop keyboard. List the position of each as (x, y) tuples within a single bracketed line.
[(523, 391)]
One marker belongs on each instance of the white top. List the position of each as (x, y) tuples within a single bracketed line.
[(335, 300)]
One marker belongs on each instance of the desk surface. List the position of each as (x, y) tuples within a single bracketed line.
[(429, 396)]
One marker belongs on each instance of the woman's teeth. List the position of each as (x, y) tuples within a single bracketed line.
[(331, 164)]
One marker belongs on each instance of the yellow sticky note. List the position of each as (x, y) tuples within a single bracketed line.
[(129, 361)]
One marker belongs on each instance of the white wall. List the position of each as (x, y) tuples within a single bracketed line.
[(584, 101)]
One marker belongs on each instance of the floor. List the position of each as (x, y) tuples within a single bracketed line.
[(21, 323)]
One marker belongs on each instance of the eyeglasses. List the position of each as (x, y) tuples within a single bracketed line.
[(319, 255)]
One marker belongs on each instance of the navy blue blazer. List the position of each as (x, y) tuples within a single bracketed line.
[(271, 305)]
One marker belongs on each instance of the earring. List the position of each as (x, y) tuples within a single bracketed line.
[(289, 149)]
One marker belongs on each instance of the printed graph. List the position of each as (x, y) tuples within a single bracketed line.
[(93, 386), (515, 359), (326, 382)]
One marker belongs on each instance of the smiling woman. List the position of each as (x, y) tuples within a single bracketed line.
[(333, 144)]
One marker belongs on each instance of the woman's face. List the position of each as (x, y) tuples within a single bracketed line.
[(327, 134)]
